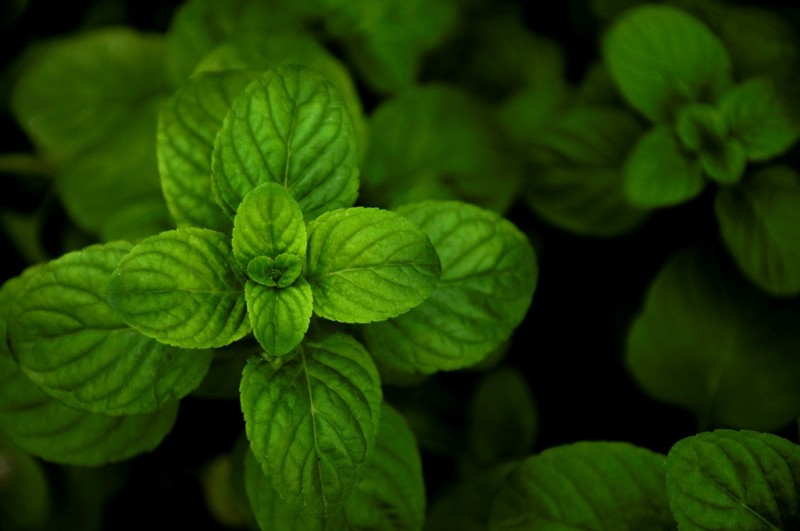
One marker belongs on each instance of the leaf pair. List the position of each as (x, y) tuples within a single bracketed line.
[(190, 288), (715, 480)]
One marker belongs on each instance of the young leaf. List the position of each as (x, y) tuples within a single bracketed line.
[(268, 223), (187, 127), (734, 480), (760, 223), (75, 347), (279, 315), (586, 485), (289, 127), (43, 426), (367, 264), (328, 399), (758, 119), (182, 288), (82, 89), (658, 173), (661, 58), (727, 165), (706, 341), (489, 273)]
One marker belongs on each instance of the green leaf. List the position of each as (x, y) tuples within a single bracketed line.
[(81, 90), (658, 173), (586, 485), (225, 373), (661, 57), (701, 127), (328, 398), (182, 288), (392, 493), (390, 496), (289, 127), (436, 142), (758, 119), (706, 341), (268, 223), (25, 497), (489, 273), (727, 165), (579, 187), (72, 344), (45, 427), (734, 480), (187, 127), (367, 264), (280, 315), (760, 224), (503, 419)]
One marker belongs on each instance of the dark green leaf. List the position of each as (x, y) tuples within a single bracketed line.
[(587, 486), (661, 57), (706, 341), (289, 127), (25, 498), (187, 127), (658, 173), (760, 223), (72, 344), (280, 315), (367, 264), (182, 288), (312, 420), (734, 480), (489, 273)]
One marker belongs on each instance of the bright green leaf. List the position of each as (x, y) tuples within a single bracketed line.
[(436, 142), (658, 173), (489, 273), (279, 315), (328, 398), (705, 341), (760, 223), (734, 480), (367, 264), (268, 223), (589, 486), (281, 272), (45, 427), (757, 117), (392, 493), (25, 497), (661, 58), (503, 419), (75, 347), (182, 288), (187, 127), (289, 127), (79, 91)]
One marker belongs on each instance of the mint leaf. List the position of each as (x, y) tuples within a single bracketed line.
[(489, 273), (586, 485), (661, 57), (759, 222), (727, 165), (280, 315), (328, 398), (75, 347), (268, 223), (367, 264), (658, 173), (187, 127), (437, 142), (713, 334), (25, 497), (182, 288), (392, 493), (758, 119), (289, 127), (579, 186), (81, 90), (734, 480), (45, 427), (112, 190)]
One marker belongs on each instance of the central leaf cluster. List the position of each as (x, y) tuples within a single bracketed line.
[(279, 272)]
